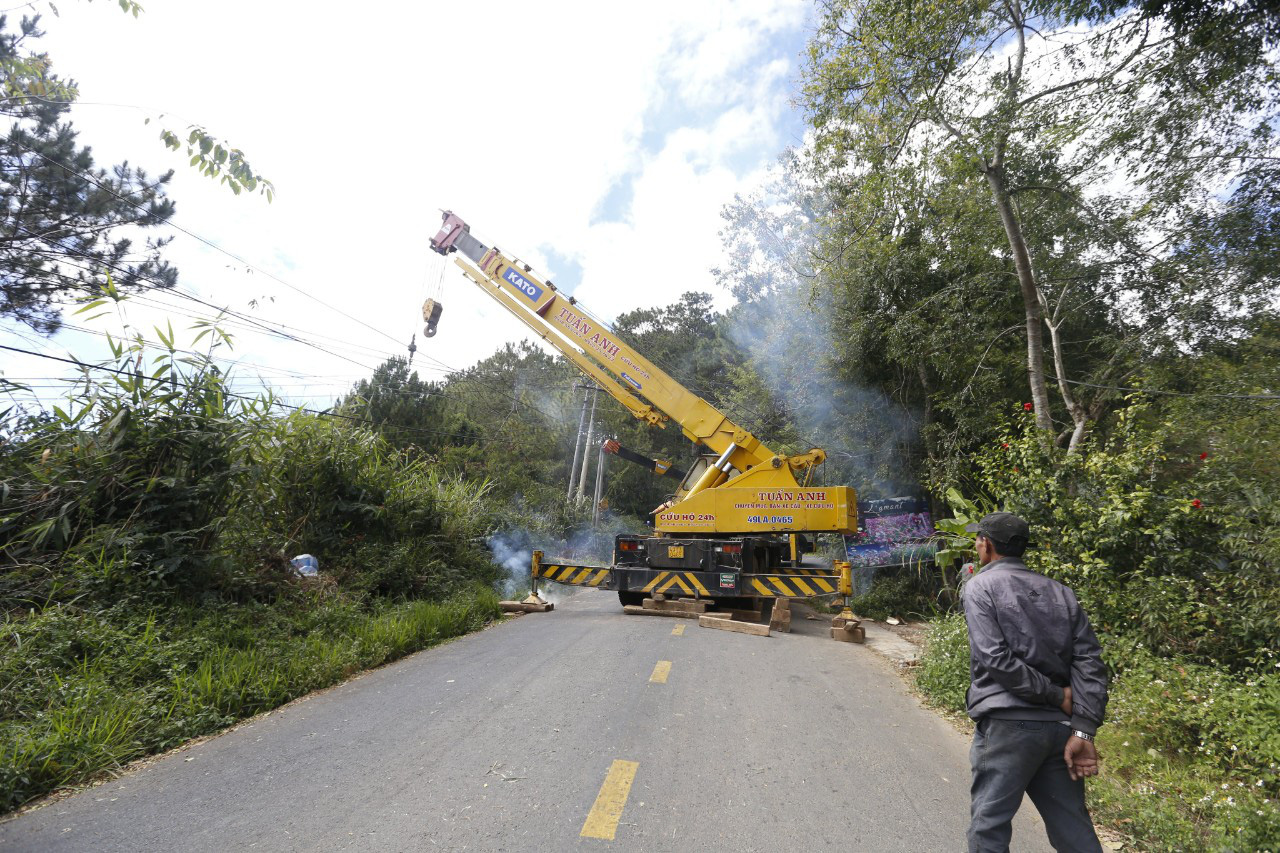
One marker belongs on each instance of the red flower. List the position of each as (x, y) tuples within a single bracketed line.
[(1026, 407), (1004, 446), (1196, 503), (1204, 456)]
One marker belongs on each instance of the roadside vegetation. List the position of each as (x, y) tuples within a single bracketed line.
[(146, 593), (1045, 233), (1169, 537)]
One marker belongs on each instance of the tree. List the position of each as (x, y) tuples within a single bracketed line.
[(66, 224), (405, 409), (1113, 142), (509, 420), (876, 327), (686, 340)]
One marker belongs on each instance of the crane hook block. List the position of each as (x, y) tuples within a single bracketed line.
[(431, 315)]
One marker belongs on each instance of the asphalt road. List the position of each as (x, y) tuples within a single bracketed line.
[(527, 735)]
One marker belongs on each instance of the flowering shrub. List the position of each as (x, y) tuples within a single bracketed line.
[(1118, 523)]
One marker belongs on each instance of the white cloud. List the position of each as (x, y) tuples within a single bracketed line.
[(519, 116)]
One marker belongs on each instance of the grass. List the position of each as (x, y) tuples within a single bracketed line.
[(82, 694)]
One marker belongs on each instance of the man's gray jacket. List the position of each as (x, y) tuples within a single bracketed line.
[(1029, 638)]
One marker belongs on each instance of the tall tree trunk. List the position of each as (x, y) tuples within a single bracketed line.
[(1079, 414), (1030, 295)]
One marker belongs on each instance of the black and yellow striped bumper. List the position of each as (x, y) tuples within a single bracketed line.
[(800, 584), (597, 576), (685, 583), (797, 584), (790, 583)]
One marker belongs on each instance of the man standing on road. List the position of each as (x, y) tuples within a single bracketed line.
[(1037, 694)]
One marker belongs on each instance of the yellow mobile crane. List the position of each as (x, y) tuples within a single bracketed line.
[(731, 530)]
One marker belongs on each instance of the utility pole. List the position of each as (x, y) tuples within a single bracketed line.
[(577, 442), (595, 512), (586, 450)]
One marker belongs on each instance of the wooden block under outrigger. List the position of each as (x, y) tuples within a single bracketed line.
[(849, 633), (634, 610), (755, 629), (526, 607), (684, 605)]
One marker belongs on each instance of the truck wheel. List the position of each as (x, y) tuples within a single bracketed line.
[(630, 599)]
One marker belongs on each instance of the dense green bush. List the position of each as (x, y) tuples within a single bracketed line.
[(943, 673), (165, 486), (897, 592), (380, 521), (145, 528), (1168, 529), (1167, 539)]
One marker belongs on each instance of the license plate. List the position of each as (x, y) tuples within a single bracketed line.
[(675, 552)]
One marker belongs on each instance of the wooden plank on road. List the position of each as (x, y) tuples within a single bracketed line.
[(730, 625)]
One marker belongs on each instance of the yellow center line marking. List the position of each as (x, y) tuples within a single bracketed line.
[(660, 672), (602, 820), (677, 631)]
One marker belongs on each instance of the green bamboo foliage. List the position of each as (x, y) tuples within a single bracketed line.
[(145, 526)]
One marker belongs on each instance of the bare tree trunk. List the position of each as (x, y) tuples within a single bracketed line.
[(1079, 415), (1030, 294)]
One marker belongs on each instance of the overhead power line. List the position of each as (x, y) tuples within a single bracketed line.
[(232, 394), (193, 235), (1157, 392), (160, 286), (244, 318)]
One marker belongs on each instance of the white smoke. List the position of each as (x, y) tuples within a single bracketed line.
[(788, 328), (866, 434), (513, 550)]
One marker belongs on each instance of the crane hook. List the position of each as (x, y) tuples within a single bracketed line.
[(431, 314)]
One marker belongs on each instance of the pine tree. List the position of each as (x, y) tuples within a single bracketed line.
[(66, 223)]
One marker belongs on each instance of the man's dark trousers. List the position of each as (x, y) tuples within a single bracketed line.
[(1010, 757)]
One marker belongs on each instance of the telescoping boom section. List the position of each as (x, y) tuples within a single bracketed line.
[(743, 489)]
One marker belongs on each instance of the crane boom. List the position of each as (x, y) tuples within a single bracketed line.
[(595, 349), (748, 489)]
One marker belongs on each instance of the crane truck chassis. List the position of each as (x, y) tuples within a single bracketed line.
[(731, 531)]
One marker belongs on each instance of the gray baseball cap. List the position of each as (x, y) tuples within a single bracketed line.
[(1001, 528)]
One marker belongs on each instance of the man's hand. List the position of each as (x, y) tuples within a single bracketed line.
[(1081, 757), (1066, 701)]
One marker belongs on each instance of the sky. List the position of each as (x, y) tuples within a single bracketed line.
[(595, 141)]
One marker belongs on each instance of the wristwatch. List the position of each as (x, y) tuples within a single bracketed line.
[(1082, 735)]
